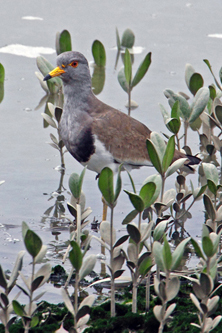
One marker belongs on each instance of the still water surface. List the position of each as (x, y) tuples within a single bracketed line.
[(176, 32)]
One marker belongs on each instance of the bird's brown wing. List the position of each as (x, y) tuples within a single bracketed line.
[(124, 137)]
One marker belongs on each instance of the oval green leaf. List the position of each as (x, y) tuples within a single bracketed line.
[(99, 53), (33, 243), (106, 185), (141, 71), (75, 256)]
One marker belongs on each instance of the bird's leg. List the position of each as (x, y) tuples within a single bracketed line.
[(103, 266)]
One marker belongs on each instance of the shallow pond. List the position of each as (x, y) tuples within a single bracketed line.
[(175, 32)]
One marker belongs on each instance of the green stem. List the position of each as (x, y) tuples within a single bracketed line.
[(164, 304), (113, 308), (185, 132), (76, 296), (27, 325), (136, 274), (162, 188), (129, 102), (148, 292), (178, 142)]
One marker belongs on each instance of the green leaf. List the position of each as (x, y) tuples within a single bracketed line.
[(87, 266), (3, 282), (153, 155), (75, 256), (189, 71), (128, 39), (84, 310), (206, 283), (81, 177), (33, 243), (74, 185), (147, 194), (131, 181), (167, 256), (141, 71), (173, 125), (4, 299), (159, 230), (106, 186), (118, 184), (99, 53), (134, 233), (178, 254), (45, 67), (157, 180), (184, 105), (2, 73), (173, 122), (121, 240), (2, 79), (64, 41), (136, 201), (98, 79), (213, 92), (169, 153), (122, 79), (175, 111), (159, 144), (200, 192), (18, 308), (196, 82), (131, 216), (158, 255), (34, 321), (211, 172), (212, 187), (128, 68), (118, 43), (218, 113), (209, 207), (145, 265), (199, 104), (197, 249), (207, 246), (36, 283)]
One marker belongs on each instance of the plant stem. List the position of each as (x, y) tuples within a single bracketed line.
[(185, 132), (178, 142), (136, 273), (104, 216), (129, 102), (113, 308), (148, 292), (76, 296), (162, 188)]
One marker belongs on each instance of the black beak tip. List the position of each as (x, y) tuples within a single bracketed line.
[(47, 77)]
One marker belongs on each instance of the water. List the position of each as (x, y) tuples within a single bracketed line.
[(176, 32)]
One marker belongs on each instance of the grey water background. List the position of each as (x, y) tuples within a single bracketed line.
[(175, 31)]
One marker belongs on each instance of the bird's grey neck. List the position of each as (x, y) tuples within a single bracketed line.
[(77, 96)]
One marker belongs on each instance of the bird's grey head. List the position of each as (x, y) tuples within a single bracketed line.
[(73, 68)]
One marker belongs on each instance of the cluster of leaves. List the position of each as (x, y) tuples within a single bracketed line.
[(147, 242), (28, 313)]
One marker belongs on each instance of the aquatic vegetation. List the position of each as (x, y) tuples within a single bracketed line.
[(156, 242)]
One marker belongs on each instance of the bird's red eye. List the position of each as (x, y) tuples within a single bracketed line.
[(74, 64)]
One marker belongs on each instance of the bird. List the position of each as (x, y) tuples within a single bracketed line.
[(96, 134)]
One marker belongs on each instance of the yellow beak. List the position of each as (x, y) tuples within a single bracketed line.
[(55, 72)]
